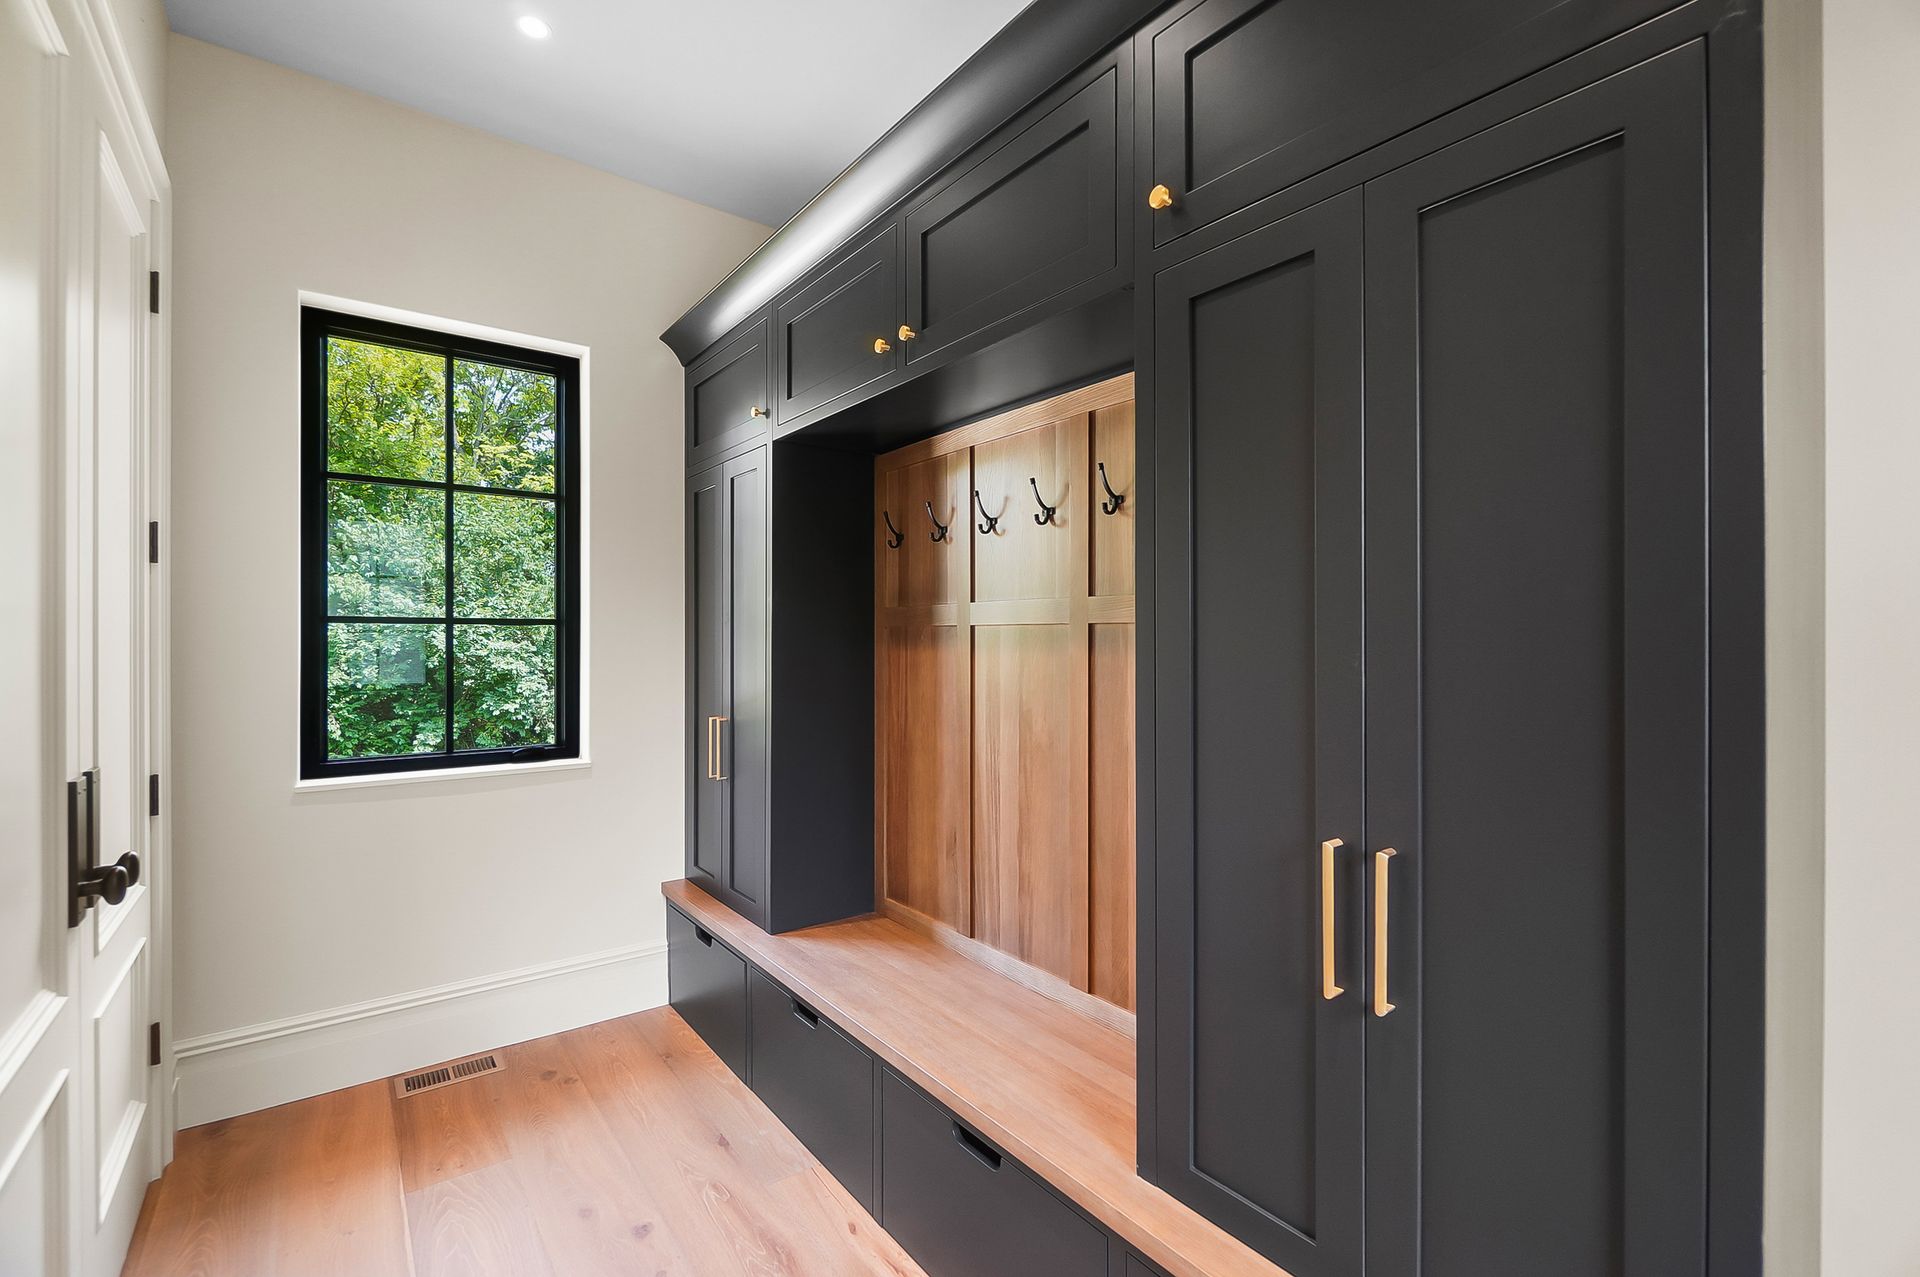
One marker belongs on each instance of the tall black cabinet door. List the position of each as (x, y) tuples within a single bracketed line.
[(1536, 692), (743, 740), (709, 861), (727, 674), (1257, 1030)]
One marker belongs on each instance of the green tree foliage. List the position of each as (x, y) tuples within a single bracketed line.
[(388, 683)]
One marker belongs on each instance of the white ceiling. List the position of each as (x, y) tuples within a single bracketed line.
[(746, 105)]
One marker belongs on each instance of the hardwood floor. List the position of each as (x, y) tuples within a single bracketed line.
[(621, 1148)]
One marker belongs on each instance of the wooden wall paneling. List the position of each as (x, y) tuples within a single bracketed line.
[(923, 571), (1023, 850), (924, 772), (1110, 811), (923, 692), (1030, 888), (1112, 533), (1021, 559)]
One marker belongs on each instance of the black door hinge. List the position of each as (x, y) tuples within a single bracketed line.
[(153, 1044), (153, 291), (153, 794), (153, 541)]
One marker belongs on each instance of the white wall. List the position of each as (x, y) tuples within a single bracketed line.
[(1795, 583), (1871, 116), (309, 923)]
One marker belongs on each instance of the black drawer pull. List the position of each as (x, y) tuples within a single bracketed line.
[(704, 936), (804, 1013), (983, 1152)]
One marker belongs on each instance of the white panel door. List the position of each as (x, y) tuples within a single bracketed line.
[(114, 956), (39, 1023), (77, 1126)]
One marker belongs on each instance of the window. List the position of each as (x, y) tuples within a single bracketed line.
[(440, 545)]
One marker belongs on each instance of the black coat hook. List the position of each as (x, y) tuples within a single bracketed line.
[(939, 528), (1046, 511), (893, 533), (1114, 499), (992, 522)]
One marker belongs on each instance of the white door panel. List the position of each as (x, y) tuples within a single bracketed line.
[(113, 977), (77, 1123)]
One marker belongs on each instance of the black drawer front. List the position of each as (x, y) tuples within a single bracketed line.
[(816, 1080), (962, 1209), (1031, 220), (707, 985), (728, 391), (827, 332)]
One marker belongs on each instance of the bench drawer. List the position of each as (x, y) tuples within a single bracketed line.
[(963, 1209), (707, 985), (818, 1081)]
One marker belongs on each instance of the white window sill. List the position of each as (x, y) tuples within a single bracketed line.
[(445, 775)]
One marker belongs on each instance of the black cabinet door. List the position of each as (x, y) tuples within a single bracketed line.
[(728, 393), (839, 332), (1035, 217), (1536, 691), (1250, 96), (1258, 1028), (708, 859), (728, 681)]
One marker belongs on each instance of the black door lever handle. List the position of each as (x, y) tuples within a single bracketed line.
[(110, 882)]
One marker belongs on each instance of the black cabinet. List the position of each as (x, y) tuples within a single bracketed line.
[(1039, 214), (1258, 765), (1431, 916), (818, 1081), (1249, 96), (707, 985), (729, 394), (962, 1208), (1536, 605), (839, 332), (727, 680)]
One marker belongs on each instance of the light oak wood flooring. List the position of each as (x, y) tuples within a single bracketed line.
[(621, 1148)]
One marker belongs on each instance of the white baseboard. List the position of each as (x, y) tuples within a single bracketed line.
[(258, 1066)]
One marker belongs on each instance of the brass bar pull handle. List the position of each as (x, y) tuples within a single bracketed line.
[(710, 759), (1380, 861), (1328, 989), (719, 753)]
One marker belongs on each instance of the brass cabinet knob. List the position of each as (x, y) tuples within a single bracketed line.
[(1160, 197), (881, 345), (757, 411), (907, 334)]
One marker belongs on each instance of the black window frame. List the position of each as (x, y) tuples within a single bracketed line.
[(317, 326)]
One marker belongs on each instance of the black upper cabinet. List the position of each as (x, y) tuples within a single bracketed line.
[(729, 394), (1249, 96), (727, 676), (838, 333), (1257, 774), (1038, 215), (1536, 672)]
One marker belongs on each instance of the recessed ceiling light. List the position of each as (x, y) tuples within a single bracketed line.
[(533, 28)]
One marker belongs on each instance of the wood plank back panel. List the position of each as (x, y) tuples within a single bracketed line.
[(1029, 889), (1113, 533), (923, 784), (1020, 559), (1110, 809), (924, 571), (987, 678)]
